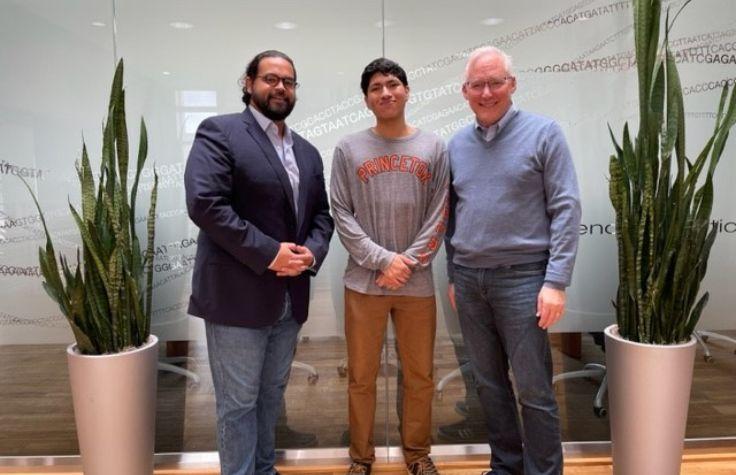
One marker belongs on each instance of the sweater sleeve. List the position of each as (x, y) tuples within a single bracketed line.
[(449, 249), (429, 238), (563, 207), (359, 245)]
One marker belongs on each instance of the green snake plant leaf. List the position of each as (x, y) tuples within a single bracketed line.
[(722, 130), (89, 203), (87, 238), (121, 138), (101, 297), (619, 150), (663, 233), (150, 227), (142, 154)]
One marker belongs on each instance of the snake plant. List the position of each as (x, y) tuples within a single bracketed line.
[(104, 298), (662, 199)]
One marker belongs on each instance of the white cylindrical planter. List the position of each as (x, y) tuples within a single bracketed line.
[(115, 409), (649, 394)]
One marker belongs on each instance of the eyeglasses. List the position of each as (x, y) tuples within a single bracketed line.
[(273, 80), (494, 84)]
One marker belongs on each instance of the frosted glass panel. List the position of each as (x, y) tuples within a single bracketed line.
[(184, 58)]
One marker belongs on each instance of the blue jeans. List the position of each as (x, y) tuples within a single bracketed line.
[(497, 309), (250, 368)]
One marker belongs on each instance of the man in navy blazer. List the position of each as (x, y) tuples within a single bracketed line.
[(256, 190)]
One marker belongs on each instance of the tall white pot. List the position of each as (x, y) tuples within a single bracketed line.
[(649, 393), (115, 409)]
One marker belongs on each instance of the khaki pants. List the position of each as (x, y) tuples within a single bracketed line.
[(414, 318)]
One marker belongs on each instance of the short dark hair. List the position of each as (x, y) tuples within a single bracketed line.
[(251, 71), (382, 66)]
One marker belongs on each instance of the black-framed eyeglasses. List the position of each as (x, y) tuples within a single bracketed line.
[(273, 80)]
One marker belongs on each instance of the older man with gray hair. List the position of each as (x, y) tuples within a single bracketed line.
[(511, 246)]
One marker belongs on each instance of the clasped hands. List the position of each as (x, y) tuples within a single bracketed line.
[(397, 273), (291, 260)]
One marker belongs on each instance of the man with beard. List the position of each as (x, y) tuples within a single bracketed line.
[(256, 190)]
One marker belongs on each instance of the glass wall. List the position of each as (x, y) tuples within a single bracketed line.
[(574, 61)]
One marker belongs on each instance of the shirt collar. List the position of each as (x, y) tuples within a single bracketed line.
[(490, 132), (267, 124)]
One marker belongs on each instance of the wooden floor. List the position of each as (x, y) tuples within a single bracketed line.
[(36, 414), (712, 461)]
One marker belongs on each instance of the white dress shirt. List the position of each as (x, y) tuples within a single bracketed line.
[(284, 147)]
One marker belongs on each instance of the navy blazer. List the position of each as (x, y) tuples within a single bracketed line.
[(239, 195)]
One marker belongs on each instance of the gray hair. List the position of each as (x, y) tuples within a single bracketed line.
[(489, 51)]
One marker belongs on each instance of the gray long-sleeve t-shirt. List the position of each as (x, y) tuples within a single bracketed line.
[(514, 199), (389, 197)]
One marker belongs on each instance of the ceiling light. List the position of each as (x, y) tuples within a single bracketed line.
[(181, 25), (166, 73), (491, 21), (97, 24), (285, 25), (384, 23)]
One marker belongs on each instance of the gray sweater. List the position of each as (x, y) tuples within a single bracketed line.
[(389, 196), (514, 199)]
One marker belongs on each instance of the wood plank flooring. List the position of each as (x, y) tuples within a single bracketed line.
[(714, 461), (36, 413)]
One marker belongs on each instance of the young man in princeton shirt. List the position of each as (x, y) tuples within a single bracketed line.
[(389, 194)]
